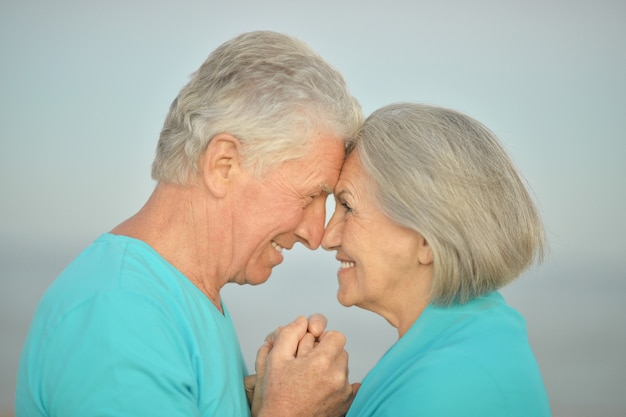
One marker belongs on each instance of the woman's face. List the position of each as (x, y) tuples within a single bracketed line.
[(385, 267)]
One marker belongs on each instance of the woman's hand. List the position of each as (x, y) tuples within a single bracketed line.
[(306, 374)]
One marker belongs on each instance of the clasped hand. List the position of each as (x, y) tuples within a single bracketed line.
[(301, 370)]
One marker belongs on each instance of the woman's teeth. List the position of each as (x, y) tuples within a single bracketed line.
[(345, 264)]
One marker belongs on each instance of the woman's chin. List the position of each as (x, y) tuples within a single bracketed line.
[(343, 299)]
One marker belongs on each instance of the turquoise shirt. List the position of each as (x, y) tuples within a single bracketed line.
[(470, 360), (121, 332)]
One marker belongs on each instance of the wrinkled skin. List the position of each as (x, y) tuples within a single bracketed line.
[(302, 370)]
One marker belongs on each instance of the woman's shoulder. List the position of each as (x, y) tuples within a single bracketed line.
[(461, 359)]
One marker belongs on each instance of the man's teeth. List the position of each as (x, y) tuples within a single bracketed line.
[(277, 247), (345, 264)]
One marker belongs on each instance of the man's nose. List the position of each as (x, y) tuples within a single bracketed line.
[(332, 235), (311, 228)]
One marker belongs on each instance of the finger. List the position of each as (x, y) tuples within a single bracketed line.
[(285, 344), (271, 338), (317, 324), (261, 357), (249, 382), (332, 343), (255, 396), (306, 344)]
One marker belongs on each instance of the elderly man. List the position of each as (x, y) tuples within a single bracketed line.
[(135, 326)]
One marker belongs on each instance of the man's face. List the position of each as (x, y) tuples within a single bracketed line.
[(286, 206)]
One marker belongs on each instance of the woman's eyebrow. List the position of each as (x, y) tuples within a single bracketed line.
[(341, 193)]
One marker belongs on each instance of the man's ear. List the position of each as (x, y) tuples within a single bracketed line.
[(220, 163)]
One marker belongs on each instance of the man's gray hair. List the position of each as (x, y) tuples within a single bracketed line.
[(269, 90)]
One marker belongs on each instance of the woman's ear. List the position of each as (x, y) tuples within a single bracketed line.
[(220, 163), (424, 253)]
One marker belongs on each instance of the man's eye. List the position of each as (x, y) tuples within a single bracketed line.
[(308, 200), (346, 207)]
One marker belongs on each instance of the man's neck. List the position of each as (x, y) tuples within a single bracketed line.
[(175, 223)]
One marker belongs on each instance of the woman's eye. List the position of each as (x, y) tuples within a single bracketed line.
[(346, 207)]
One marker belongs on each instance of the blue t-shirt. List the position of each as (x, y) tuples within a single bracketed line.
[(470, 360), (121, 332)]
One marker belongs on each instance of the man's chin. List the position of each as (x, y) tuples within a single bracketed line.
[(258, 278)]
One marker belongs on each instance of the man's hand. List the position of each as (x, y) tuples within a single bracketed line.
[(302, 371)]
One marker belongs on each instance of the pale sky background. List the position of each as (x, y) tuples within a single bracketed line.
[(84, 88)]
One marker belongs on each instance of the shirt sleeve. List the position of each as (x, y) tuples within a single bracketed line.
[(118, 354)]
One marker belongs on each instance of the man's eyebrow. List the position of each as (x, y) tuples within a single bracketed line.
[(326, 188)]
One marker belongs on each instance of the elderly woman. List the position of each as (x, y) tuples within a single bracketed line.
[(431, 220)]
